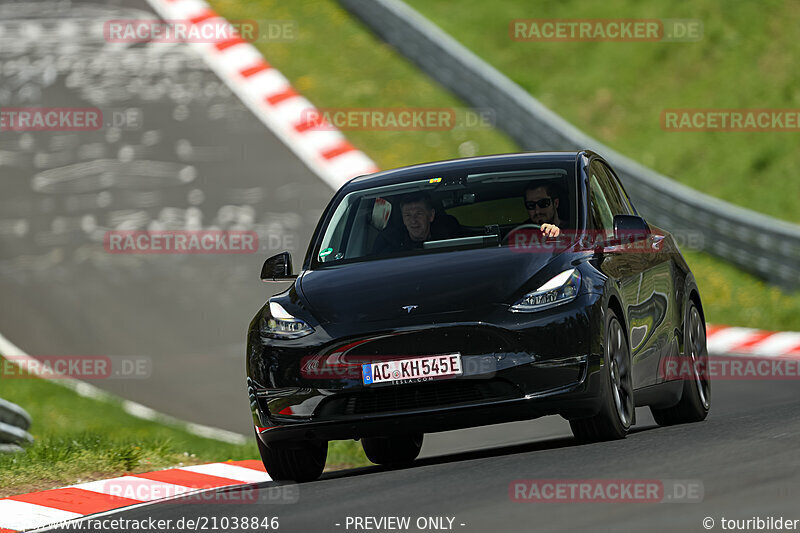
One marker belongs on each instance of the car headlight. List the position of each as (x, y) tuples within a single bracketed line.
[(279, 324), (560, 289)]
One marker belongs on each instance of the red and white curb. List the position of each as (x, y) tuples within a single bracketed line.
[(49, 507), (271, 97), (725, 340)]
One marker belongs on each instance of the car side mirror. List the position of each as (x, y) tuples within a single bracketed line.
[(278, 268), (630, 228)]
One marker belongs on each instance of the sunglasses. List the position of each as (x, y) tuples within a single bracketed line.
[(544, 202)]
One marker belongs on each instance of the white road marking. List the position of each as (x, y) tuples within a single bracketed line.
[(23, 515), (239, 473), (135, 488)]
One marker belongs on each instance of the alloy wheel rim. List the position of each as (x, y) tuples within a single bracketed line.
[(621, 384), (699, 357)]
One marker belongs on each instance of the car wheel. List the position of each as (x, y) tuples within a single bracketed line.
[(617, 412), (696, 398), (294, 461), (392, 451)]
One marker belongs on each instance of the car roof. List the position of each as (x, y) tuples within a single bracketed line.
[(410, 173)]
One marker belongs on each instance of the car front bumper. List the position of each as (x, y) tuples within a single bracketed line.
[(517, 366)]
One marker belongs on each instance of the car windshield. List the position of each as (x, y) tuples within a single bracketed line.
[(446, 212)]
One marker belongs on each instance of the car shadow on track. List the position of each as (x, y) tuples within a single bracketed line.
[(542, 445)]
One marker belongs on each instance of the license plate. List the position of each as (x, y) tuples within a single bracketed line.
[(412, 370)]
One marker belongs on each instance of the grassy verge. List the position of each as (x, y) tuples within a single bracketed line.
[(732, 297), (614, 91), (82, 439), (336, 62)]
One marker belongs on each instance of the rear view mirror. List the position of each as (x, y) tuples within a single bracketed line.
[(630, 228), (278, 268)]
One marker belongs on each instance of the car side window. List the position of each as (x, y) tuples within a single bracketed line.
[(601, 211), (610, 191), (615, 181)]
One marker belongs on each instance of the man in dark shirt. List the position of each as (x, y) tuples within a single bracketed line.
[(419, 225)]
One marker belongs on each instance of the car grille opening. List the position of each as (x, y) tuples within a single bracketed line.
[(392, 398)]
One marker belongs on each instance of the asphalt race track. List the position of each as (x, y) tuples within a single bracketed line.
[(743, 456), (196, 158)]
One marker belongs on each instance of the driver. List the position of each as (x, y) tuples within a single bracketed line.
[(541, 201)]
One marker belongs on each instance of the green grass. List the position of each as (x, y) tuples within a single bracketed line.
[(337, 63), (80, 439), (613, 91), (732, 297)]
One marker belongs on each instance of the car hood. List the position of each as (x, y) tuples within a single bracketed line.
[(437, 283)]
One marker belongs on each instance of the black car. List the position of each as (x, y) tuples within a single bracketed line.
[(472, 292)]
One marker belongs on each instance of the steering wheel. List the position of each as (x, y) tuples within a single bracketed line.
[(520, 227)]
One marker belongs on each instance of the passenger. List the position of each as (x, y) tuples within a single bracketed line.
[(420, 224)]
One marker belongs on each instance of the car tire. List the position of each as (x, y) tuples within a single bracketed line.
[(298, 462), (695, 401), (393, 451), (617, 413)]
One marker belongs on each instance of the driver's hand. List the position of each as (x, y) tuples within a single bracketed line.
[(550, 230)]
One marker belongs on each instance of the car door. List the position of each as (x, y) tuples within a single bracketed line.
[(633, 272), (656, 304)]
